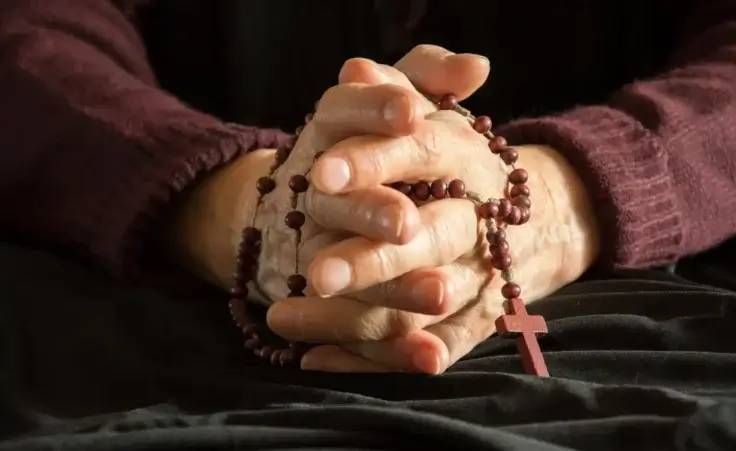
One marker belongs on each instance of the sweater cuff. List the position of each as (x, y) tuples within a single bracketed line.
[(624, 169), (151, 184)]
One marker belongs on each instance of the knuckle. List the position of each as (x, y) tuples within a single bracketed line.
[(403, 322), (383, 262)]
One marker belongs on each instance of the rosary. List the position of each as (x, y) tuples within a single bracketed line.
[(513, 209)]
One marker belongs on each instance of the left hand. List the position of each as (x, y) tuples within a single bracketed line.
[(423, 305)]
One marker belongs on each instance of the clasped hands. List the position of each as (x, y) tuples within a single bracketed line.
[(392, 286)]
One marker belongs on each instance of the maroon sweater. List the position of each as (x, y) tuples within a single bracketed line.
[(93, 151)]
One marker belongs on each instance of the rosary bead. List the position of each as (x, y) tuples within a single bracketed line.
[(295, 219), (514, 216), (488, 210), (420, 190), (265, 185), (499, 248), (501, 262), (509, 155), (275, 357), (439, 189), (251, 235), (510, 290), (482, 124), (298, 183), (403, 187), (457, 189), (497, 144), (522, 202), (296, 283), (240, 291), (526, 215), (518, 176), (504, 208), (448, 102), (520, 190), (496, 237), (282, 153)]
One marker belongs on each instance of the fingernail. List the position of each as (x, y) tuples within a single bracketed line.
[(334, 276), (427, 361), (390, 221), (428, 292), (310, 363), (335, 174), (486, 62), (393, 109)]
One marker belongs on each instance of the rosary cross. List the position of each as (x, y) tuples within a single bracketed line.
[(524, 328)]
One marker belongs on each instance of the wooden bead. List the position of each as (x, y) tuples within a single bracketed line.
[(509, 155), (499, 248), (501, 262), (514, 216), (420, 191), (251, 236), (403, 187), (295, 219), (522, 202), (488, 210), (265, 185), (282, 154), (518, 176), (298, 183), (296, 283), (520, 190), (457, 189), (496, 237), (439, 189), (504, 208), (448, 102), (510, 290), (526, 215), (482, 124), (497, 144)]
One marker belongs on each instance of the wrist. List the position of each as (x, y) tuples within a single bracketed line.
[(566, 238), (206, 228)]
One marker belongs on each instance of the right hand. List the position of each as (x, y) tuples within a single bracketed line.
[(210, 224)]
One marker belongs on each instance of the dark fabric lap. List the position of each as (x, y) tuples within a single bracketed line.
[(645, 360)]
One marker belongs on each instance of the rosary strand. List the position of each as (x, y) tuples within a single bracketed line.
[(513, 209)]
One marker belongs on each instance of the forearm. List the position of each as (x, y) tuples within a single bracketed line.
[(97, 151)]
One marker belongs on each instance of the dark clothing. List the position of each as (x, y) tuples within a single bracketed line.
[(97, 153), (642, 362)]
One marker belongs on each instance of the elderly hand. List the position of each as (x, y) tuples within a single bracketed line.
[(422, 301)]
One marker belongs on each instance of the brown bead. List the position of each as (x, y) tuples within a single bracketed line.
[(526, 215), (488, 210), (296, 283), (510, 290), (439, 189), (251, 236), (457, 189), (239, 292), (495, 237), (420, 191), (265, 185), (509, 155), (482, 124), (282, 154), (497, 144), (520, 190), (275, 357), (298, 183), (448, 102), (518, 176), (522, 202), (500, 248), (295, 219), (501, 262), (504, 208), (403, 187), (253, 343), (514, 216)]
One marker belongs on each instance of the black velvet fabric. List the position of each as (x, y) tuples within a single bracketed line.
[(643, 360)]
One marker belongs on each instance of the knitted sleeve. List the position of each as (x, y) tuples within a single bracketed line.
[(659, 160), (92, 150)]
